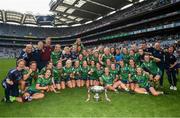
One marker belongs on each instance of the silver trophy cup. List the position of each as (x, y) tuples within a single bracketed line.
[(96, 90)]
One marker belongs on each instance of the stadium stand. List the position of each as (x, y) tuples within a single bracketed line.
[(147, 18)]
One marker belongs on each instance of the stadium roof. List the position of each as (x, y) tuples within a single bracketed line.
[(85, 11), (68, 12)]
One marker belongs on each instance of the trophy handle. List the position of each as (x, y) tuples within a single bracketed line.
[(89, 95), (106, 97)]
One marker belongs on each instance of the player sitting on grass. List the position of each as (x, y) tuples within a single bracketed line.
[(149, 65), (37, 90), (142, 83), (55, 74), (108, 81)]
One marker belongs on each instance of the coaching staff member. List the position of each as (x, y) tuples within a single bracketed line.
[(158, 53), (37, 54), (46, 52), (171, 61), (26, 54)]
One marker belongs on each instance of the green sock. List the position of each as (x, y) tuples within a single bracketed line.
[(12, 99)]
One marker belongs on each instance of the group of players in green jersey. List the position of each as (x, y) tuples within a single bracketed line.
[(135, 72)]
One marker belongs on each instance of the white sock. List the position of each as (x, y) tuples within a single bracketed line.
[(146, 93), (126, 89)]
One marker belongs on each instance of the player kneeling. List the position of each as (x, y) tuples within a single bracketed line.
[(77, 73), (92, 74), (57, 76), (142, 83), (99, 71), (84, 74), (124, 76), (68, 74)]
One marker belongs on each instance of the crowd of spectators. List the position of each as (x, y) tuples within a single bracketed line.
[(71, 31)]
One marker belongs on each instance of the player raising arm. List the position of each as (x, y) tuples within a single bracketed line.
[(29, 76)]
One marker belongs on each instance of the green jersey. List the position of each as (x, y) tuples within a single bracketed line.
[(93, 74), (67, 71), (77, 71), (56, 74), (131, 57), (43, 70), (124, 73), (104, 64), (85, 58), (32, 88), (126, 58), (132, 71), (80, 62), (90, 57), (105, 57), (99, 73), (151, 67), (60, 72), (55, 56), (141, 80), (95, 59), (84, 72), (137, 58), (114, 73), (101, 52), (33, 76), (107, 80), (42, 82)]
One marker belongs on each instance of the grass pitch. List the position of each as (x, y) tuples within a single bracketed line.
[(71, 103)]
